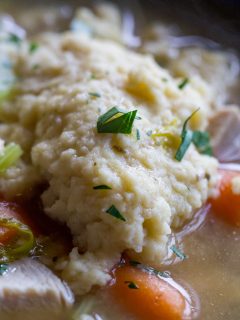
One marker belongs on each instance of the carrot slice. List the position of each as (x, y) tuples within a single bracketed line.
[(227, 204), (147, 296)]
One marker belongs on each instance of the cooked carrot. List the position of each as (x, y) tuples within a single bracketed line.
[(146, 296), (227, 204)]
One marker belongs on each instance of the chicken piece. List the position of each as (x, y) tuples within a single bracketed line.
[(224, 129), (29, 290)]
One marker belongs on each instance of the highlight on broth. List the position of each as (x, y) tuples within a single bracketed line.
[(119, 168)]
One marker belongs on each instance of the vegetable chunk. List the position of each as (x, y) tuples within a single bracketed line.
[(146, 295), (227, 204)]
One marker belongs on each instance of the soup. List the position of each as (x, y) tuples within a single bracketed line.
[(114, 205)]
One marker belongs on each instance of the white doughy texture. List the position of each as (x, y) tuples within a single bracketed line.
[(54, 119)]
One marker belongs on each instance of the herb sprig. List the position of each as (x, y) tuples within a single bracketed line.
[(113, 211), (200, 139), (116, 121), (183, 84)]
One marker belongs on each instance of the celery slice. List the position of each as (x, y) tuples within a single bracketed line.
[(12, 152), (22, 244)]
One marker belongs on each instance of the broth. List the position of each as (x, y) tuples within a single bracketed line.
[(213, 253)]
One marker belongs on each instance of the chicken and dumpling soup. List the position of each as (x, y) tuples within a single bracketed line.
[(119, 168)]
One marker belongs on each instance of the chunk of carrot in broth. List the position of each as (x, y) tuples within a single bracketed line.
[(227, 204), (146, 296)]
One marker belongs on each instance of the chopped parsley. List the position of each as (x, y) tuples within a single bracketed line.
[(199, 138), (178, 252), (183, 84), (102, 187), (150, 270), (33, 46), (138, 134), (3, 268), (14, 39), (94, 94), (131, 285), (116, 121), (113, 211)]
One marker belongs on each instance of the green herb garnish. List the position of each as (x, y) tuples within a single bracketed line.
[(131, 285), (3, 268), (113, 211), (178, 252), (102, 187), (138, 134), (149, 270), (14, 39), (33, 46), (199, 138), (183, 83), (116, 121), (94, 94), (12, 152)]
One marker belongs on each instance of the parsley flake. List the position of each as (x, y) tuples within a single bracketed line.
[(183, 84), (14, 39), (178, 252), (94, 94), (113, 211), (200, 139), (102, 187), (131, 285), (138, 134), (116, 121), (33, 46), (3, 268)]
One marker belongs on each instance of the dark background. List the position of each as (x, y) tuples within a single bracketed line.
[(215, 19), (218, 20)]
